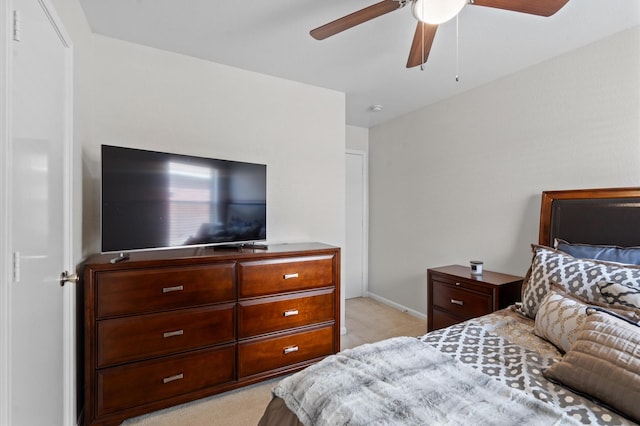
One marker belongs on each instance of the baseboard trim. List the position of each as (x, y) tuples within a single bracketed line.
[(397, 306)]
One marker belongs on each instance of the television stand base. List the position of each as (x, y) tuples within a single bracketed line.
[(234, 247), (240, 246), (257, 246)]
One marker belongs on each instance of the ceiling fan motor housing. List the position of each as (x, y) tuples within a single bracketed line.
[(436, 12)]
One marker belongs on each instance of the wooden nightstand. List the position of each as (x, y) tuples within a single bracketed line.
[(454, 295)]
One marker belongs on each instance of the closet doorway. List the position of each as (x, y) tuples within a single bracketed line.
[(355, 253)]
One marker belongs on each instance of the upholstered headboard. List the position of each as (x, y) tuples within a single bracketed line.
[(591, 216)]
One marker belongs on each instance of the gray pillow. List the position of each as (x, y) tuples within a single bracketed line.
[(604, 362)]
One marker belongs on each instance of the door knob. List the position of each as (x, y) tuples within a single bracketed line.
[(66, 277)]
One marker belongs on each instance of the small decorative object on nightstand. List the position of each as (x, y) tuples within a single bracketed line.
[(476, 267), (456, 295)]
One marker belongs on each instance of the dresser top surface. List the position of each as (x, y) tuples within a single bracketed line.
[(213, 253)]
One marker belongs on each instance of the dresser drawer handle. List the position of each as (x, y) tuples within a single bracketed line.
[(173, 378), (457, 302), (457, 284), (174, 288), (290, 349), (290, 313), (173, 333), (289, 276)]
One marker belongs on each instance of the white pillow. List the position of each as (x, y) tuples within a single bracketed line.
[(559, 318)]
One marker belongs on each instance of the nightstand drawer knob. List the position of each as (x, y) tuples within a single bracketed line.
[(457, 302)]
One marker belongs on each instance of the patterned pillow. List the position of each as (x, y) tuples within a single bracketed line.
[(618, 294), (577, 276)]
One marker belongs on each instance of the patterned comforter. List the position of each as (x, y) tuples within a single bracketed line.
[(483, 371)]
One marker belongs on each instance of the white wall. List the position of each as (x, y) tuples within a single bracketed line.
[(152, 99), (357, 138), (461, 179)]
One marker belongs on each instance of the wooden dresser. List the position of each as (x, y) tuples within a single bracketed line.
[(170, 326), (455, 295)]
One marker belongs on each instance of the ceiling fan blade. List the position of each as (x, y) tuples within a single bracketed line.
[(355, 18), (538, 7), (421, 46)]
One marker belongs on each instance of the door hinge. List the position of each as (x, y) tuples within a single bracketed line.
[(16, 266), (16, 25)]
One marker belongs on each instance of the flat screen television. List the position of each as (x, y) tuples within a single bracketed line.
[(154, 200)]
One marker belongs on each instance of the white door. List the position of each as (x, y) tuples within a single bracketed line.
[(41, 354), (355, 223)]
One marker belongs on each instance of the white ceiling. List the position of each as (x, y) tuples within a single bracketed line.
[(367, 62)]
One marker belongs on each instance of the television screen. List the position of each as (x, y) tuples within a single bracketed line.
[(160, 200)]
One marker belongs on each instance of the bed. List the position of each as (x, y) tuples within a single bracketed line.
[(568, 353)]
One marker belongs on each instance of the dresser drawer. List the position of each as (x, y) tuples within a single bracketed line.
[(264, 355), (281, 312), (135, 291), (460, 301), (281, 275), (147, 336), (139, 383)]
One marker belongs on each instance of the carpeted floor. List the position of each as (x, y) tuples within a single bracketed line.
[(366, 321)]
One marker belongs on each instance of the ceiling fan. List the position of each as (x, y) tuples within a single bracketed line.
[(429, 14)]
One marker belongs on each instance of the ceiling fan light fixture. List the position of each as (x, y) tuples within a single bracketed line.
[(436, 12)]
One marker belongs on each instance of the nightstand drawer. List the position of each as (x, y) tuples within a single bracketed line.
[(266, 277), (139, 337), (139, 383), (461, 283), (281, 312), (269, 354), (138, 291), (442, 319), (464, 303)]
